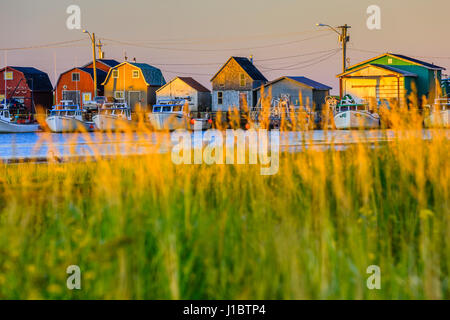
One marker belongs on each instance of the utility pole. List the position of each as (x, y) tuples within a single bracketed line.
[(343, 39), (101, 54), (94, 56)]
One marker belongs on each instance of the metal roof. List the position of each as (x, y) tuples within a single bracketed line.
[(109, 62), (303, 80), (153, 76), (36, 79), (101, 75), (397, 70), (425, 64), (248, 67), (190, 82), (311, 83)]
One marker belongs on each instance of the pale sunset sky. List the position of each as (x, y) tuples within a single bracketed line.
[(194, 37)]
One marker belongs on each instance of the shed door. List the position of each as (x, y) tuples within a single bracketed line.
[(71, 95), (134, 99)]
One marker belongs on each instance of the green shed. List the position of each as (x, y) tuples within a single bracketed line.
[(427, 76)]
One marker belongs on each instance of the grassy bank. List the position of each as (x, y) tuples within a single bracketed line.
[(144, 228)]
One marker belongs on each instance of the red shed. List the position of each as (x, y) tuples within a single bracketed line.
[(103, 64), (28, 85), (77, 85)]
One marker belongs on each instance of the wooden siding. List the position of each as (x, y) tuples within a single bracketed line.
[(85, 85), (177, 88), (126, 83), (374, 83), (228, 81), (23, 91)]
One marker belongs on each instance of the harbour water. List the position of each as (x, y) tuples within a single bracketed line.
[(41, 145)]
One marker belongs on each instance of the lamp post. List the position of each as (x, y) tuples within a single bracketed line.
[(343, 39), (92, 37)]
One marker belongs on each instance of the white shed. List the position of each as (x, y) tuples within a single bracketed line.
[(187, 88)]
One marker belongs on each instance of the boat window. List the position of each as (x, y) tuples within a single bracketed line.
[(177, 108), (361, 108), (156, 109), (6, 114), (343, 109), (167, 109)]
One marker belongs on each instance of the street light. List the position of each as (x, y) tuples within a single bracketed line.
[(343, 39), (92, 37)]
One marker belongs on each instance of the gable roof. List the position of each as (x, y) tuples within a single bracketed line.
[(248, 67), (109, 62), (152, 75), (381, 66), (310, 83), (194, 84), (394, 69), (36, 79), (401, 57), (303, 80)]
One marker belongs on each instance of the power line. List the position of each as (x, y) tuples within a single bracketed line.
[(215, 50), (256, 60), (226, 39), (414, 56), (50, 45), (304, 66)]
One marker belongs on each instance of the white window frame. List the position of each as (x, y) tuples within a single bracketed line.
[(79, 76), (138, 74), (86, 93), (6, 73), (220, 98), (115, 74), (122, 97)]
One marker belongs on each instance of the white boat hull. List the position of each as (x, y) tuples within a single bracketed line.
[(356, 120), (67, 124), (111, 123), (438, 119), (8, 127), (168, 121)]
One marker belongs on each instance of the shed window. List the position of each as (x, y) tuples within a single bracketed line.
[(220, 97), (390, 61), (118, 94), (8, 76), (115, 74), (87, 96), (76, 76), (242, 80), (135, 74)]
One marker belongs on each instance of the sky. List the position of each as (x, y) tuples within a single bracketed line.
[(195, 37)]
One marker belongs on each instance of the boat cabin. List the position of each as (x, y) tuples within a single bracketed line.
[(170, 106), (115, 109)]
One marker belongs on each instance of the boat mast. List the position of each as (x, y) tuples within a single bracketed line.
[(4, 76)]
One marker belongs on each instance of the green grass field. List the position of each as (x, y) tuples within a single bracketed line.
[(144, 228)]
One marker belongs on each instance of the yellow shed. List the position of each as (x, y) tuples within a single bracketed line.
[(136, 83), (377, 82)]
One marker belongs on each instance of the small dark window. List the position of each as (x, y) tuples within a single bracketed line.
[(220, 97), (76, 76)]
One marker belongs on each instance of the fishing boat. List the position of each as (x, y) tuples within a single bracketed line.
[(438, 113), (351, 115), (15, 123), (68, 117), (113, 117), (169, 115)]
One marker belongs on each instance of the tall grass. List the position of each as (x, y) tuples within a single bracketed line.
[(141, 227)]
